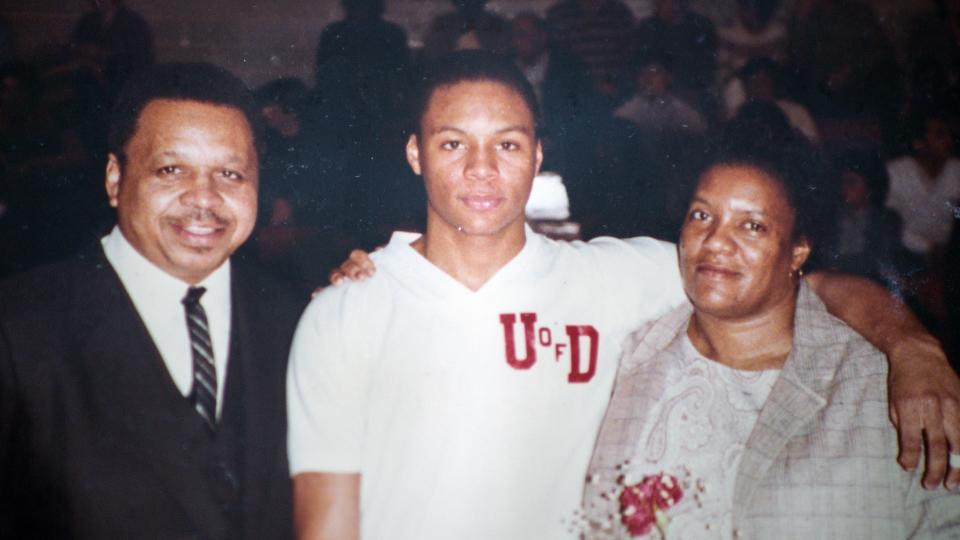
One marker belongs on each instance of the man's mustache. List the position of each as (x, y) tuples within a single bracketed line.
[(202, 215)]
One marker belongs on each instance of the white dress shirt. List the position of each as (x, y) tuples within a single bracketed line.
[(928, 206), (157, 296)]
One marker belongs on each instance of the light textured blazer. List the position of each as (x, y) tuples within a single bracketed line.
[(821, 459)]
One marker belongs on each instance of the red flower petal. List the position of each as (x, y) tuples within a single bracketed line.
[(639, 501)]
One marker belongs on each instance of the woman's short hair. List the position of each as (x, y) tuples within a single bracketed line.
[(788, 158)]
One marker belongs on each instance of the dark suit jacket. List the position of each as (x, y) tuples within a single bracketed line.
[(96, 441)]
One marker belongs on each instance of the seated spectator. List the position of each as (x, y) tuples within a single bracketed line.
[(759, 80), (690, 40), (754, 32), (299, 199), (664, 129), (562, 88), (641, 151), (46, 164), (654, 107), (763, 118), (866, 237), (933, 55), (598, 32), (362, 61), (843, 63), (356, 112), (471, 26), (925, 186), (113, 41), (364, 40), (925, 191), (284, 173)]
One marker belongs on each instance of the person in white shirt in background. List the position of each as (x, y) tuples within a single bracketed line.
[(925, 186), (758, 80), (654, 108)]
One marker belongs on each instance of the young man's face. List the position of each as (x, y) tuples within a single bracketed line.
[(478, 152)]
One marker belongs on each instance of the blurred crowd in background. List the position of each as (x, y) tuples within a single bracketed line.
[(628, 104)]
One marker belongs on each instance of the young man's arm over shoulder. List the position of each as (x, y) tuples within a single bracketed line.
[(326, 506), (924, 390), (326, 405)]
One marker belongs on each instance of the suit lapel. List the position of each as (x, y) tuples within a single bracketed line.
[(790, 407), (640, 384), (794, 401), (254, 402), (121, 353), (129, 382)]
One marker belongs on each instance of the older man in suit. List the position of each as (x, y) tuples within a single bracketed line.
[(142, 383)]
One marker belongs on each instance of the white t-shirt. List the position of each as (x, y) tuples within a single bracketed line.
[(430, 391), (928, 210)]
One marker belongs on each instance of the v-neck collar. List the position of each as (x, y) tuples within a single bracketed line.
[(400, 259)]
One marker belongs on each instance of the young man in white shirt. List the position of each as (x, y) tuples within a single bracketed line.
[(925, 187)]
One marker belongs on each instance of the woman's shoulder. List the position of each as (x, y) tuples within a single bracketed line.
[(645, 344), (824, 340)]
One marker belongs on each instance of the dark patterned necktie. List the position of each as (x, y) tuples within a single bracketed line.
[(203, 395)]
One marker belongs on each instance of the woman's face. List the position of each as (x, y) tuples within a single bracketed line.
[(737, 252)]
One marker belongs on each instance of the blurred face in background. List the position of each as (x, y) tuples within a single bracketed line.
[(528, 37), (653, 80), (856, 194), (737, 249), (761, 86), (937, 142)]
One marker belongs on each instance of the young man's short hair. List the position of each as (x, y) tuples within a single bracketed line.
[(202, 82), (471, 66)]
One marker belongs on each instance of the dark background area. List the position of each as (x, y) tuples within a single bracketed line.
[(334, 176)]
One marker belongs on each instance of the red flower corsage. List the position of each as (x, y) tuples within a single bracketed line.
[(642, 505)]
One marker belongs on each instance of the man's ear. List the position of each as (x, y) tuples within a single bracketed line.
[(413, 153), (112, 182)]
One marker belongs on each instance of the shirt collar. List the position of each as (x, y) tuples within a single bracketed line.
[(138, 273)]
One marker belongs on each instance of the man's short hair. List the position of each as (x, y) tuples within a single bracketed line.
[(471, 66), (202, 82)]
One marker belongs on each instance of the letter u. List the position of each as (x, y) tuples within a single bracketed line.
[(530, 357)]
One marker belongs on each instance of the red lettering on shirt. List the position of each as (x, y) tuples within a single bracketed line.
[(583, 342), (528, 319), (576, 333)]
